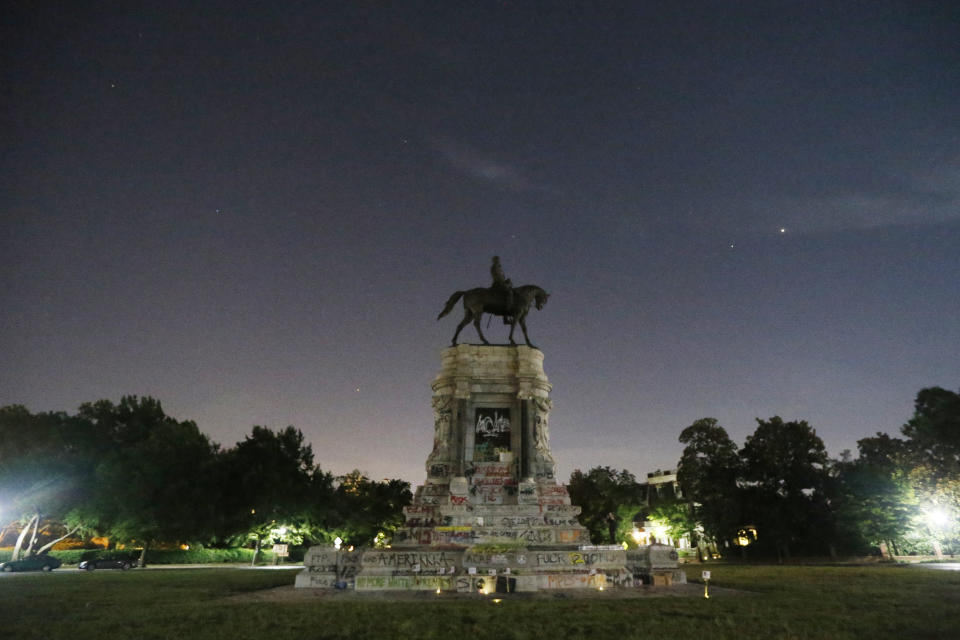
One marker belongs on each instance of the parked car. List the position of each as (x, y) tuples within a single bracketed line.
[(107, 563), (41, 562)]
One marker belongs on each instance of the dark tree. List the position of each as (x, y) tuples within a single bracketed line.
[(708, 471), (784, 475), (677, 516), (896, 485), (933, 449), (874, 498), (933, 432), (129, 422), (366, 508), (319, 515), (933, 445), (608, 498), (45, 471), (153, 482), (266, 481)]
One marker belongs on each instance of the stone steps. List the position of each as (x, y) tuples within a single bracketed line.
[(526, 569)]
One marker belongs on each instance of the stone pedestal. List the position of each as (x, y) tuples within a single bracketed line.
[(491, 479), (491, 404), (491, 515)]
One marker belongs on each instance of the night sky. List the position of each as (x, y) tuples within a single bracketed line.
[(255, 211)]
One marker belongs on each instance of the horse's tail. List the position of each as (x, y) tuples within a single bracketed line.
[(449, 307)]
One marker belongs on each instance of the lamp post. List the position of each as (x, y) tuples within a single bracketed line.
[(336, 545), (937, 519)]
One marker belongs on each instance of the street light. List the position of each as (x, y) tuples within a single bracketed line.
[(937, 519), (660, 533), (336, 545)]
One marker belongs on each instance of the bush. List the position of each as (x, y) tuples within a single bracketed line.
[(198, 555), (71, 556), (202, 555)]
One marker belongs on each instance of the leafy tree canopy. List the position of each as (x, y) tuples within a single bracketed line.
[(600, 493), (366, 508), (150, 484), (264, 480), (708, 472), (785, 459), (784, 474)]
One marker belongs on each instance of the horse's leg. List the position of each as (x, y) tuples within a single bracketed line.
[(523, 325), (476, 323), (463, 323), (513, 325)]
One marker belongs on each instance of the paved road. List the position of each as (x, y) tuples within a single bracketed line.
[(943, 566)]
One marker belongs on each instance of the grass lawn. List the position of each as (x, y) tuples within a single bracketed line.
[(833, 602)]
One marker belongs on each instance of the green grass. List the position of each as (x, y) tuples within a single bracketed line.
[(835, 602), (197, 555)]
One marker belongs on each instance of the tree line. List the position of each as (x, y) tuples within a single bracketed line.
[(781, 494), (129, 472)]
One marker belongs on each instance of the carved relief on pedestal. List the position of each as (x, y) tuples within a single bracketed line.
[(439, 459), (541, 430)]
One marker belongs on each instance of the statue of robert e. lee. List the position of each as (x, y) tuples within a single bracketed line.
[(502, 283), (501, 299)]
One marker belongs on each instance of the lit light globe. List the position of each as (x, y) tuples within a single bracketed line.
[(938, 518)]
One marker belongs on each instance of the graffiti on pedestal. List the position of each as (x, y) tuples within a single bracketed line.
[(491, 434)]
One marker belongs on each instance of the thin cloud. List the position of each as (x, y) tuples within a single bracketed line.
[(481, 166), (924, 197)]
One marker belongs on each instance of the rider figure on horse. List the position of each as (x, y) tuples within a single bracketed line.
[(501, 299), (504, 286)]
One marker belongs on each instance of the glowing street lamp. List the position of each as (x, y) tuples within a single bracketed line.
[(937, 519), (660, 532), (336, 545)]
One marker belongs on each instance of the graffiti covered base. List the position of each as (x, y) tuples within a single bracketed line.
[(490, 515)]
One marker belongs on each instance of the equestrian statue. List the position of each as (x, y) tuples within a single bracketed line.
[(502, 299)]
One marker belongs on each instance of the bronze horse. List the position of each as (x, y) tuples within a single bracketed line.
[(478, 301)]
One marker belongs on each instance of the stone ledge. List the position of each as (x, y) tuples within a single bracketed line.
[(527, 569)]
